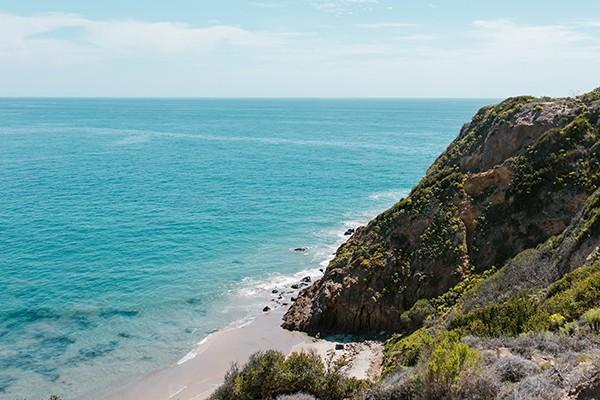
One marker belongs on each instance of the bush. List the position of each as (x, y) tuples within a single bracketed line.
[(297, 396), (227, 390), (566, 300), (506, 319), (537, 388), (570, 328), (305, 372), (405, 351), (263, 377), (418, 313), (269, 374), (576, 292), (477, 386), (592, 317), (336, 385), (449, 360), (514, 368), (399, 385), (556, 321)]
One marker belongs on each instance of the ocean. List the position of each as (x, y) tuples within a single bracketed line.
[(130, 229)]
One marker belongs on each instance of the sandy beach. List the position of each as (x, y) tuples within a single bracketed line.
[(196, 375)]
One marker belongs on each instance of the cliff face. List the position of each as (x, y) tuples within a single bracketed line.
[(521, 178)]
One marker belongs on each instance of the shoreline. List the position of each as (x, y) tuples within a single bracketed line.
[(196, 377), (199, 372)]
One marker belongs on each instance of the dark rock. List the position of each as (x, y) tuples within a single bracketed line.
[(349, 232), (274, 291), (306, 279), (295, 286), (301, 249), (266, 309), (339, 346)]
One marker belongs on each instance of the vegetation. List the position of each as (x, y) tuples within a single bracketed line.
[(405, 351), (448, 361), (592, 317), (269, 374), (495, 295), (565, 301)]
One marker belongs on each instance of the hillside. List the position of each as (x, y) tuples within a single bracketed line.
[(484, 281), (522, 174)]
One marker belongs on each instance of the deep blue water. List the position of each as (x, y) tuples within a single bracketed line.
[(130, 229)]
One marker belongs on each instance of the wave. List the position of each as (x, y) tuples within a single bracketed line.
[(253, 291), (134, 136), (395, 195), (193, 353)]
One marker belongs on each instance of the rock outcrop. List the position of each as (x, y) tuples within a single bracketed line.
[(523, 176)]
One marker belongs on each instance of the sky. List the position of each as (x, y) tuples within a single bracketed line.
[(299, 48)]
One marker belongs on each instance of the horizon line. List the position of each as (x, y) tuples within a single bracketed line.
[(260, 97)]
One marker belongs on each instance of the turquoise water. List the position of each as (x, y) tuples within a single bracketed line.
[(131, 229)]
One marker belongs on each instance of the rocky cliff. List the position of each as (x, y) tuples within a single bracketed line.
[(515, 194)]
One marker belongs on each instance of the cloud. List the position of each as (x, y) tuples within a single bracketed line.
[(386, 25), (68, 54), (341, 7), (537, 43), (26, 36)]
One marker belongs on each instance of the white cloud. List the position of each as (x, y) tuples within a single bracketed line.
[(386, 25), (31, 35), (341, 7), (536, 43), (67, 54)]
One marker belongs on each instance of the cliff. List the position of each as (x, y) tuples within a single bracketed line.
[(514, 199), (485, 279)]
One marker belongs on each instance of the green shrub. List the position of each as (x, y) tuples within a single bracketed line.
[(448, 361), (570, 328), (304, 372), (262, 377), (531, 311), (556, 321), (592, 317), (405, 351), (337, 386), (269, 374), (576, 292), (505, 319), (418, 313)]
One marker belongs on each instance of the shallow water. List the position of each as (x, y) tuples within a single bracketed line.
[(131, 229)]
